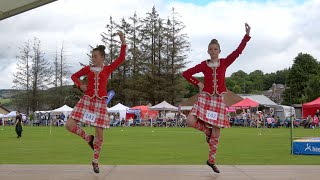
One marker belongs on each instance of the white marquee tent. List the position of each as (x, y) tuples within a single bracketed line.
[(11, 114), (43, 112), (66, 110), (63, 108), (119, 108), (1, 116), (164, 106)]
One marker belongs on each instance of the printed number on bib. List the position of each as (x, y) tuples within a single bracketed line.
[(89, 117), (212, 115)]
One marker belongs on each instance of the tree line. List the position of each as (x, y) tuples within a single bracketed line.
[(156, 55), (41, 82), (301, 81)]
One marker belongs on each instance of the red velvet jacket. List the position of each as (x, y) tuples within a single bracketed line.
[(98, 80), (214, 77)]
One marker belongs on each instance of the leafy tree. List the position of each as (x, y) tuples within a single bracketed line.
[(230, 83), (257, 79), (240, 77), (236, 89), (312, 91), (279, 77), (304, 68)]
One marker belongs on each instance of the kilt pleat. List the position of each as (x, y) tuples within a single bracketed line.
[(19, 127), (213, 103), (94, 106)]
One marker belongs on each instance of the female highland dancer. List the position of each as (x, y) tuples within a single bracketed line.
[(209, 112), (92, 108)]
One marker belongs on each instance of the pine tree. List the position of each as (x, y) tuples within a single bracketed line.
[(136, 66), (22, 78), (61, 72), (40, 75), (156, 53), (33, 76), (111, 43), (177, 46), (150, 33)]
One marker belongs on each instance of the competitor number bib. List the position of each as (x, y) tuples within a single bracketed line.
[(89, 117), (212, 115)]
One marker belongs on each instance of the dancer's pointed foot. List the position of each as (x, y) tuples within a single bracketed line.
[(214, 167), (95, 167)]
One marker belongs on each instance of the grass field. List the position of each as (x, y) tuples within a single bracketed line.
[(145, 145), (4, 101)]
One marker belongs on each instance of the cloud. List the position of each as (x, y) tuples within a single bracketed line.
[(280, 30)]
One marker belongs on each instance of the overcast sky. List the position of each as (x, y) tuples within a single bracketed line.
[(280, 30)]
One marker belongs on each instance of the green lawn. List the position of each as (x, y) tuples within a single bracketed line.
[(145, 145), (5, 101)]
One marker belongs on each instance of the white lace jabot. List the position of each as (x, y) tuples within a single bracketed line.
[(215, 64), (97, 69)]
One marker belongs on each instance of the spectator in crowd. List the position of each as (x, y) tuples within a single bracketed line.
[(317, 113), (315, 121), (130, 122), (308, 122), (277, 121)]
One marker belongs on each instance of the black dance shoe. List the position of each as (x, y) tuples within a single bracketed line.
[(214, 167), (95, 167)]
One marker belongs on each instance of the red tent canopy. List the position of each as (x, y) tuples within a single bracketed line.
[(310, 108), (245, 103), (146, 112)]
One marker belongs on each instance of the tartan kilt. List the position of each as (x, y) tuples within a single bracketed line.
[(212, 103), (95, 106), (19, 127)]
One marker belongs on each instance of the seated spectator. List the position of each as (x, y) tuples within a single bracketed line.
[(259, 123), (231, 121), (159, 121), (123, 122), (277, 122), (136, 121), (287, 122), (130, 122), (269, 122), (253, 122), (315, 121), (116, 122), (308, 122), (273, 122)]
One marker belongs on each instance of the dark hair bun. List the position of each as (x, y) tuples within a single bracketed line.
[(102, 47), (214, 41)]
